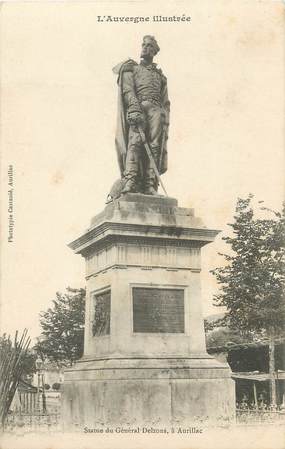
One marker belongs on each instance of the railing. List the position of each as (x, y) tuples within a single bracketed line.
[(246, 414), (28, 414), (260, 413), (23, 423)]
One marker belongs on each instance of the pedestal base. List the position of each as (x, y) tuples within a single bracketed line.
[(147, 392), (145, 360)]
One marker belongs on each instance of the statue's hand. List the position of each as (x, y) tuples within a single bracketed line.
[(135, 118)]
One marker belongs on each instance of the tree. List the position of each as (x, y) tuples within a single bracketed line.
[(12, 356), (28, 357), (62, 336), (252, 282), (225, 337), (29, 365)]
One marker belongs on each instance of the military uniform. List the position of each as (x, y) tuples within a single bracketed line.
[(144, 91)]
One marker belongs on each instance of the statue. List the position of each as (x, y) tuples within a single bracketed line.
[(143, 121)]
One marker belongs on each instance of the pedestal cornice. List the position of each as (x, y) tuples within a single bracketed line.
[(147, 220)]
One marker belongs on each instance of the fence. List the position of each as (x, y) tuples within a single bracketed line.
[(32, 422), (246, 414), (28, 402), (31, 411), (260, 413)]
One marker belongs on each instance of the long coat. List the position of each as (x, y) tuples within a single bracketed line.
[(122, 131)]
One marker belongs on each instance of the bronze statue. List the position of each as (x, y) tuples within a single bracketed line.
[(143, 121)]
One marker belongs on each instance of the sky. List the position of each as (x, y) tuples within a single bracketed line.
[(225, 71)]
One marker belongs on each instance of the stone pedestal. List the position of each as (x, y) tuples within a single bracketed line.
[(145, 359)]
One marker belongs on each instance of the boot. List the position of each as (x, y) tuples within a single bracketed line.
[(130, 183), (151, 184)]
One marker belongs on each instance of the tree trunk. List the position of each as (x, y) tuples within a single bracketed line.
[(272, 380)]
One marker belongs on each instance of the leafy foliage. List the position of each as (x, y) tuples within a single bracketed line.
[(254, 357), (252, 282), (62, 336), (29, 364), (28, 357), (225, 337), (12, 356)]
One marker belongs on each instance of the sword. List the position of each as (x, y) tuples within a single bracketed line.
[(150, 156), (162, 146)]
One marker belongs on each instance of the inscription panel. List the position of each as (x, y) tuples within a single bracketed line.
[(102, 313), (158, 310)]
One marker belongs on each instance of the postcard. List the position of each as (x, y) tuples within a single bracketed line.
[(142, 163)]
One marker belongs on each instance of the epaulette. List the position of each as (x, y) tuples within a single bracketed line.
[(125, 66), (129, 66)]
